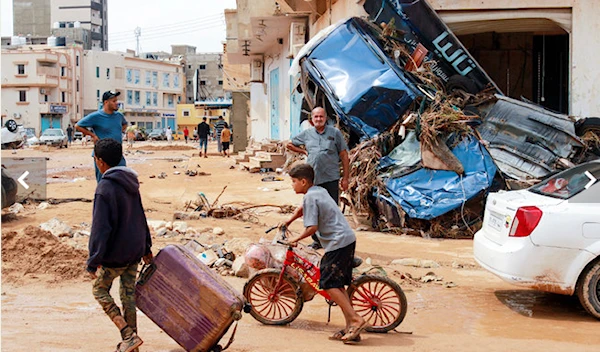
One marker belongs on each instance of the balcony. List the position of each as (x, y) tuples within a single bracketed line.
[(258, 25)]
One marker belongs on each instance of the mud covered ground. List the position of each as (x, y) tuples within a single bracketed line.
[(47, 303)]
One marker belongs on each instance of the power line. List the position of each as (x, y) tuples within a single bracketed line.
[(172, 32), (167, 26)]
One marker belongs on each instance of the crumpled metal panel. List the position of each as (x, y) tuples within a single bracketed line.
[(365, 87), (426, 194), (525, 140)]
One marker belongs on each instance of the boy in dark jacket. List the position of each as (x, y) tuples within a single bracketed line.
[(119, 239)]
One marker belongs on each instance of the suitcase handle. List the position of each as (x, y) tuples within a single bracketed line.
[(146, 273)]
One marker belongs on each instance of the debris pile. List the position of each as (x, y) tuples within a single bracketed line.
[(35, 251)]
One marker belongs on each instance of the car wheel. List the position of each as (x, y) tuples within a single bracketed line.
[(458, 82), (588, 288), (11, 125)]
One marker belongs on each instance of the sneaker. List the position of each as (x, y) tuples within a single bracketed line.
[(315, 245), (130, 344)]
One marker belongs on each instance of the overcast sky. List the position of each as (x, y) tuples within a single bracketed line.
[(199, 23)]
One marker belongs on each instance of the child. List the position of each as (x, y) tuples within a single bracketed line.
[(119, 239), (225, 138), (338, 240)]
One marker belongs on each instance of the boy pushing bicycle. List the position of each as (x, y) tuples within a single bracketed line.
[(321, 213)]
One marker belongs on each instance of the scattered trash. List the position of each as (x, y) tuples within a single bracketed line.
[(152, 176), (43, 205), (431, 277), (79, 179), (271, 179), (162, 175), (218, 231), (176, 173), (232, 167)]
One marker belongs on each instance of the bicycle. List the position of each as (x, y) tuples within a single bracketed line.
[(276, 298)]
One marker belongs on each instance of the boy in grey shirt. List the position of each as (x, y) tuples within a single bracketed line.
[(321, 213)]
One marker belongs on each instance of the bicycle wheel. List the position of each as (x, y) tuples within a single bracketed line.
[(379, 300), (270, 307)]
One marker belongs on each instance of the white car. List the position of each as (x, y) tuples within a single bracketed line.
[(54, 137), (547, 237)]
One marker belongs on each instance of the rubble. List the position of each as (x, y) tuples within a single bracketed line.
[(57, 228), (16, 208), (419, 263)]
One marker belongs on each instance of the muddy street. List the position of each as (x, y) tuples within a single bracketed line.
[(47, 303)]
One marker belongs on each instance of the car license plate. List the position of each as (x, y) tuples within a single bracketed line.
[(496, 221)]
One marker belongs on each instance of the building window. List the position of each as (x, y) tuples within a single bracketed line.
[(176, 81), (137, 76), (148, 99), (63, 71), (97, 71), (186, 113), (108, 73), (129, 76), (20, 69), (136, 97), (148, 78), (98, 94), (220, 82), (77, 84), (22, 96), (129, 97), (45, 98), (155, 98), (155, 79), (78, 108), (63, 96), (189, 82), (170, 100), (77, 60), (190, 66), (166, 79), (202, 83), (202, 67)]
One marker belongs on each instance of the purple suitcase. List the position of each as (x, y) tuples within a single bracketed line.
[(187, 300)]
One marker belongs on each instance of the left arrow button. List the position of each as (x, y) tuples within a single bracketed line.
[(22, 179)]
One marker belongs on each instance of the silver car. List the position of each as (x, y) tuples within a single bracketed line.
[(54, 137)]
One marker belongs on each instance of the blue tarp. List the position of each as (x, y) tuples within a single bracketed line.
[(426, 194)]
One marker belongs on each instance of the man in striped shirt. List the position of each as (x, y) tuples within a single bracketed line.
[(219, 125)]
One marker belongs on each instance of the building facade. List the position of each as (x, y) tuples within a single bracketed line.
[(543, 50), (150, 89), (203, 74), (89, 14), (33, 17), (42, 87)]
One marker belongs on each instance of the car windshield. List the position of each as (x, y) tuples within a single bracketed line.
[(52, 133), (568, 183)]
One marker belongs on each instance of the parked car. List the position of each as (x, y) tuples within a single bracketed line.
[(547, 237), (54, 137), (77, 135), (157, 134), (178, 136), (9, 190), (13, 135)]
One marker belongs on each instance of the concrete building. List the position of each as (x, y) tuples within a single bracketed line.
[(543, 50), (42, 87), (32, 17), (90, 14), (190, 115), (237, 83), (84, 21), (203, 74), (150, 89)]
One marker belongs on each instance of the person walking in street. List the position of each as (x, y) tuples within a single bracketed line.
[(203, 132), (130, 131), (119, 239), (218, 129), (325, 147), (107, 122), (186, 134), (225, 139), (169, 134), (70, 134)]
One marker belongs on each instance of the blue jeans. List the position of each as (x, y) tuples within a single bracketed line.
[(219, 145), (203, 142), (99, 175)]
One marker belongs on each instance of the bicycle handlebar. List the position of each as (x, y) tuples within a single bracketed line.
[(271, 229)]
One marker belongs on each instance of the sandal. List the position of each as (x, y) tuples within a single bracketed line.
[(339, 334), (354, 332)]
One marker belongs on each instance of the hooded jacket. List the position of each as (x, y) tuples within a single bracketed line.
[(120, 234)]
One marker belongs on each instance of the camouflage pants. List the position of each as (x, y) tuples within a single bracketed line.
[(101, 291)]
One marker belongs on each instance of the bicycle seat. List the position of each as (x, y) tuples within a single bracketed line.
[(356, 262)]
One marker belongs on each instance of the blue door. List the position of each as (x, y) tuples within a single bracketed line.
[(50, 122), (295, 106), (274, 90), (171, 123)]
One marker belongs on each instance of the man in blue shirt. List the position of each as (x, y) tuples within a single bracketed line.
[(106, 123)]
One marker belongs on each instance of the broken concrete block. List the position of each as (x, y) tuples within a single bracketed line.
[(161, 232), (169, 225), (182, 215), (156, 224), (419, 263), (180, 226), (43, 205), (57, 228), (240, 268), (218, 231), (238, 245), (16, 208)]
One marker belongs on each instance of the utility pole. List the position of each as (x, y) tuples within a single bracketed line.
[(138, 33)]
